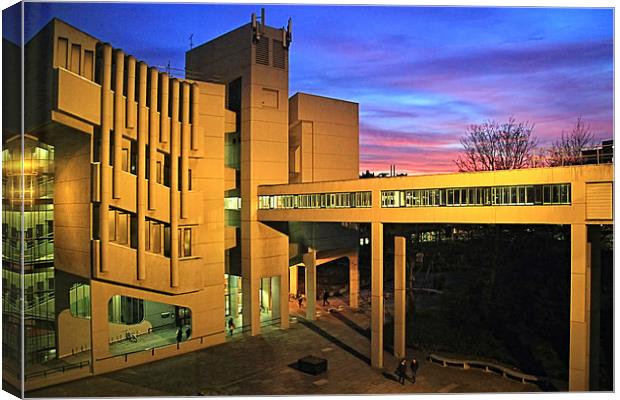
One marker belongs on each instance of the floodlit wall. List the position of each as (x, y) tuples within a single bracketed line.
[(324, 139)]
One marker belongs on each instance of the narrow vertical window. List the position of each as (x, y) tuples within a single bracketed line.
[(76, 58), (62, 51)]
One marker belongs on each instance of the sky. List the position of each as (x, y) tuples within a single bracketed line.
[(421, 75)]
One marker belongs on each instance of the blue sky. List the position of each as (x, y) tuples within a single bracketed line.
[(420, 74)]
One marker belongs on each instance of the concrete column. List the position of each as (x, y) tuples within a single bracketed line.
[(292, 273), (251, 305), (153, 137), (185, 148), (131, 92), (104, 158), (594, 237), (175, 147), (275, 296), (579, 357), (376, 318), (266, 289), (309, 260), (233, 290), (118, 122), (164, 125), (141, 180), (399, 296), (283, 299), (194, 116), (354, 281)]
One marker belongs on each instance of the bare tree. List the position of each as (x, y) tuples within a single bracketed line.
[(567, 150), (493, 146)]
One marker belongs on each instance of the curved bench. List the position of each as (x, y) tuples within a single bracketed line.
[(484, 365)]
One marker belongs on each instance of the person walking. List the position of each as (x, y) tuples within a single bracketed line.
[(325, 297), (401, 371), (231, 326), (300, 299), (188, 332), (414, 369), (179, 335)]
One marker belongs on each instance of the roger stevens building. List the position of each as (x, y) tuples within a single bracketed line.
[(144, 212)]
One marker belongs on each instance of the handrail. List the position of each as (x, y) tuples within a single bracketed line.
[(152, 349), (50, 371), (487, 366)]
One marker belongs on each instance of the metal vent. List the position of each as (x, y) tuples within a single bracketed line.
[(262, 52), (279, 54)]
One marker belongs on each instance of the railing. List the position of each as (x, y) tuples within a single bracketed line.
[(152, 349), (45, 372), (486, 366)]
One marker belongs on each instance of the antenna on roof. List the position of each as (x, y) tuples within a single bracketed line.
[(191, 42), (256, 35), (262, 16)]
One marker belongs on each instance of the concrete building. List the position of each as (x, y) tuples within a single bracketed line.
[(157, 209)]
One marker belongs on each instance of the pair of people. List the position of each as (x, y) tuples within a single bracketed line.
[(401, 370)]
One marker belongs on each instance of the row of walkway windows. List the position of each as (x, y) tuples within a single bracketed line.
[(479, 196), (556, 194), (316, 200)]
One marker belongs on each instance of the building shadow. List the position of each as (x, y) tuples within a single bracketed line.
[(362, 331), (334, 340)]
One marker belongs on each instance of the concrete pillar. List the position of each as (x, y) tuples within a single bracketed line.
[(141, 179), (292, 273), (164, 125), (185, 131), (309, 260), (153, 137), (400, 295), (104, 158), (579, 357), (266, 290), (275, 297), (594, 237), (354, 281), (175, 148), (118, 122), (376, 318), (233, 290), (130, 110), (251, 305), (282, 284)]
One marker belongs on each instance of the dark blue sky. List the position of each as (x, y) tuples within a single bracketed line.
[(420, 74)]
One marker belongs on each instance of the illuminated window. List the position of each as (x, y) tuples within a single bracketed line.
[(185, 242)]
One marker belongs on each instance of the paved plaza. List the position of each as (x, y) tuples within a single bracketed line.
[(265, 365)]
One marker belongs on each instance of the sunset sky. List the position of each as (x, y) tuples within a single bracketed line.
[(421, 75)]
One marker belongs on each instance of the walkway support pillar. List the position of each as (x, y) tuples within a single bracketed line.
[(594, 237), (579, 357), (292, 279), (310, 263), (376, 319), (399, 296), (354, 281), (282, 298)]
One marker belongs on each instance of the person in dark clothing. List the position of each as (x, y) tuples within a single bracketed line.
[(179, 335), (231, 326), (401, 371), (300, 299), (188, 332), (325, 297), (414, 369)]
